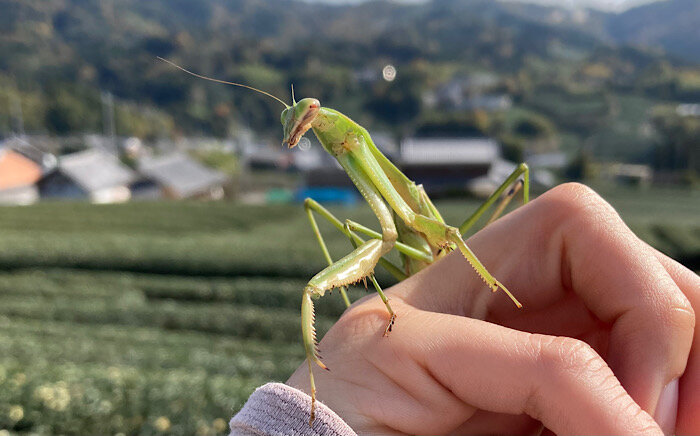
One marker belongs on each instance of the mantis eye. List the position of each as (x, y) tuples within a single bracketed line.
[(283, 117)]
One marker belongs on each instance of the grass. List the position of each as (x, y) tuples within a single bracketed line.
[(161, 318)]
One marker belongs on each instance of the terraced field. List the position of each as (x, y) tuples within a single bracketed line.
[(155, 318)]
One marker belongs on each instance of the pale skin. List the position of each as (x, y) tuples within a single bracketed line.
[(608, 323)]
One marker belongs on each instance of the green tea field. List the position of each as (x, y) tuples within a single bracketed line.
[(161, 318)]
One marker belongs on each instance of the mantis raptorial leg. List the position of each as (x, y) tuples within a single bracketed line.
[(392, 315), (312, 206)]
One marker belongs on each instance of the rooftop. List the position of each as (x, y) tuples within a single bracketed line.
[(17, 170), (439, 151), (180, 173), (95, 169)]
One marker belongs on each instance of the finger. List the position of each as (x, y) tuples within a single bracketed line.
[(570, 240), (559, 381), (622, 282), (688, 420)]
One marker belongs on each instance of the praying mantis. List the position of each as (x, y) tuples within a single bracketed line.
[(409, 220)]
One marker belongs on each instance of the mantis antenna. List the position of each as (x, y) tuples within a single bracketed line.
[(224, 82)]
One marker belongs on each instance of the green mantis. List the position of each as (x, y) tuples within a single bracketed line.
[(408, 219)]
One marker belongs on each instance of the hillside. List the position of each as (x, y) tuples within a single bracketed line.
[(54, 47), (564, 76), (669, 25)]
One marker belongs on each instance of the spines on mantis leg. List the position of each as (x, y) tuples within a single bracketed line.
[(482, 271), (308, 329)]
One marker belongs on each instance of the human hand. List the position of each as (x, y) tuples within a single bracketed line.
[(606, 331)]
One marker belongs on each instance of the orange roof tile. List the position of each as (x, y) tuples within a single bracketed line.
[(16, 170)]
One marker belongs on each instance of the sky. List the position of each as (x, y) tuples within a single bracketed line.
[(606, 5)]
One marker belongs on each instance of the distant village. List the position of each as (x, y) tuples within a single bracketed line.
[(107, 170), (30, 171)]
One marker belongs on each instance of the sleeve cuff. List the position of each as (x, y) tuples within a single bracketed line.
[(276, 409)]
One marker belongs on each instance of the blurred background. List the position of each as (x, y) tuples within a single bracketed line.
[(153, 246)]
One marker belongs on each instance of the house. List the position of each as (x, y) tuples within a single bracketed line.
[(91, 174), (33, 148), (447, 164), (178, 176), (18, 178)]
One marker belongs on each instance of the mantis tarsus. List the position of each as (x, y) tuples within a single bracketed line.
[(409, 221)]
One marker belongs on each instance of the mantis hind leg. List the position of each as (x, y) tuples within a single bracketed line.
[(513, 180), (507, 197)]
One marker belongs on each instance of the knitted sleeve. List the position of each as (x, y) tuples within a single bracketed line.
[(276, 409)]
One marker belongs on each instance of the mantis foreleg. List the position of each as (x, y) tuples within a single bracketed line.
[(351, 268), (392, 315)]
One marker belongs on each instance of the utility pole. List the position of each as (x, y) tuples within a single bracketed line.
[(108, 127)]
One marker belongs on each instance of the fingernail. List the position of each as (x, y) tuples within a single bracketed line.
[(667, 407)]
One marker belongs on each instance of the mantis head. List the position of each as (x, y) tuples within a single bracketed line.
[(297, 120)]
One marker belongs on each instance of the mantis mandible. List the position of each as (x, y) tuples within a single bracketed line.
[(409, 220)]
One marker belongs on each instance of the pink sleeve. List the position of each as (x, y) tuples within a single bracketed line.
[(279, 410)]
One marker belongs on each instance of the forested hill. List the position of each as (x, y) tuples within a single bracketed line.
[(672, 25), (59, 54)]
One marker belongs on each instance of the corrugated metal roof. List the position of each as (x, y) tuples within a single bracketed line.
[(438, 151), (95, 169), (180, 173)]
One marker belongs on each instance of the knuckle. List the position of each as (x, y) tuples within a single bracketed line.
[(681, 316), (673, 316), (579, 204), (567, 357)]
